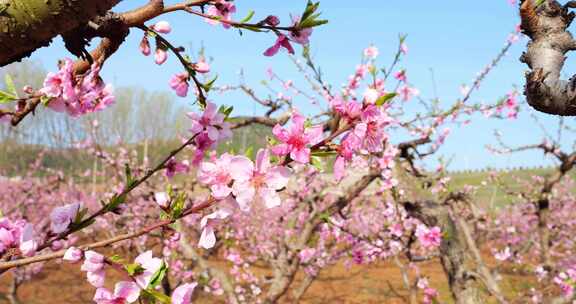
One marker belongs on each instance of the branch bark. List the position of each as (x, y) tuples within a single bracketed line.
[(464, 284), (29, 25), (546, 24)]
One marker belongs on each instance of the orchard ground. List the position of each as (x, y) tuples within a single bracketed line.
[(63, 283), (337, 284)]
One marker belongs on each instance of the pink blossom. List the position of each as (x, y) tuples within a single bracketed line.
[(216, 175), (150, 266), (60, 85), (403, 48), (145, 45), (18, 234), (513, 38), (162, 27), (93, 261), (298, 35), (388, 180), (349, 110), (371, 52), (406, 92), (272, 20), (94, 267), (173, 166), (28, 244), (96, 278), (183, 293), (281, 41), (339, 168), (295, 140), (207, 237), (77, 96), (202, 67), (371, 128), (401, 76), (464, 90), (261, 181), (5, 118), (223, 10), (124, 292), (503, 255), (73, 255), (211, 122), (160, 56), (62, 217), (306, 255), (179, 83), (429, 238), (6, 238), (371, 95), (162, 199)]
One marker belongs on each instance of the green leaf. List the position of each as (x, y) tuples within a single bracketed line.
[(317, 163), (129, 178), (324, 216), (6, 97), (133, 269), (307, 123), (156, 295), (323, 153), (177, 206), (310, 9), (248, 17), (386, 98), (80, 215), (272, 141), (115, 201), (4, 7), (249, 152), (115, 258), (250, 28), (208, 86), (202, 101), (158, 276), (81, 225), (226, 110), (402, 38), (10, 85), (45, 100), (312, 22)]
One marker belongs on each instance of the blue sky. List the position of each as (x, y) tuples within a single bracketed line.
[(455, 39)]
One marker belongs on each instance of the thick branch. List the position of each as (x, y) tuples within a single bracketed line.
[(29, 25), (546, 24)]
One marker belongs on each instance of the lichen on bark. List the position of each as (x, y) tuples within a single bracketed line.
[(28, 25)]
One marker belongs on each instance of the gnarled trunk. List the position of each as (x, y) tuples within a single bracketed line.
[(464, 283), (28, 25)]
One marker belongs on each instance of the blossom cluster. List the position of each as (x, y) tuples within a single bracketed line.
[(18, 234), (147, 267), (237, 180), (76, 95)]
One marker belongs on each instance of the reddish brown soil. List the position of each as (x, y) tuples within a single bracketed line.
[(379, 283)]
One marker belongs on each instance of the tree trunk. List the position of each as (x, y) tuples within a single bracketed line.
[(12, 294), (31, 24), (284, 273), (302, 288), (543, 211), (462, 279)]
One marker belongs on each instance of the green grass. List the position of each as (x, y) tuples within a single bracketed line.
[(492, 195)]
